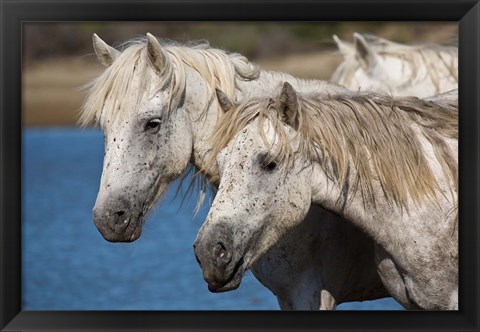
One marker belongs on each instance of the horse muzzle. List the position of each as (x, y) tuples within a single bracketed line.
[(118, 223), (232, 281), (221, 268)]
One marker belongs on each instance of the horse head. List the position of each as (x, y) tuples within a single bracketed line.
[(148, 141)]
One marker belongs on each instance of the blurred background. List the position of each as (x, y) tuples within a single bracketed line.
[(67, 265)]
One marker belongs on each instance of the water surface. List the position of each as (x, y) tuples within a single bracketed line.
[(67, 265)]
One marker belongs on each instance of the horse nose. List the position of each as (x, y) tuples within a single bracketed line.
[(214, 258), (219, 253), (114, 219), (112, 222), (119, 219), (222, 254)]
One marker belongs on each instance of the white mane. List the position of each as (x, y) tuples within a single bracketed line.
[(434, 58), (110, 94)]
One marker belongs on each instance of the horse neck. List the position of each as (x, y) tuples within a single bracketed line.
[(326, 193), (267, 84), (372, 218), (440, 81), (203, 114), (437, 74)]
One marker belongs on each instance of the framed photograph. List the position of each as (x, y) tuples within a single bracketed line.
[(97, 232)]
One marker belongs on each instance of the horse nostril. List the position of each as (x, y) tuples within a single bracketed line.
[(118, 220), (221, 251), (223, 254)]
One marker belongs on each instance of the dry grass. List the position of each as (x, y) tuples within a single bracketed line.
[(51, 91)]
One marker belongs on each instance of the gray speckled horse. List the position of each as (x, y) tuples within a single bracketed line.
[(376, 64), (387, 166), (157, 107)]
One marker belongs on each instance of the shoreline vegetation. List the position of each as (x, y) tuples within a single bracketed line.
[(53, 75)]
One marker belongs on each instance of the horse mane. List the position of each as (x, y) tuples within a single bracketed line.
[(110, 94), (433, 57), (376, 136)]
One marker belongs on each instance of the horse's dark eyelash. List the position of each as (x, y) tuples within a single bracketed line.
[(267, 163), (156, 121)]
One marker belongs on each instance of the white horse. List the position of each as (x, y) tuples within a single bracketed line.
[(375, 64), (387, 166), (157, 107)]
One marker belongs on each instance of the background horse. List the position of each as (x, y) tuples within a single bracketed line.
[(157, 108), (388, 166), (376, 64)]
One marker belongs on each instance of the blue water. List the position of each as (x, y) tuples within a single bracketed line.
[(67, 265)]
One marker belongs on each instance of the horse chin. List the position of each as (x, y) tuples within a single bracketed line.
[(232, 285), (233, 282)]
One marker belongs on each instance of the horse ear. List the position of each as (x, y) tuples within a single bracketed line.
[(105, 53), (364, 53), (288, 104), (343, 46), (225, 102), (155, 53)]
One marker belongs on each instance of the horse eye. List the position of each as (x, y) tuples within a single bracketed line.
[(153, 125), (269, 166)]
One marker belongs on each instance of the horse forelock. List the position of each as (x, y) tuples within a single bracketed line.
[(110, 95), (367, 133)]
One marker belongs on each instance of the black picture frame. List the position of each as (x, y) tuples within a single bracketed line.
[(15, 12)]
